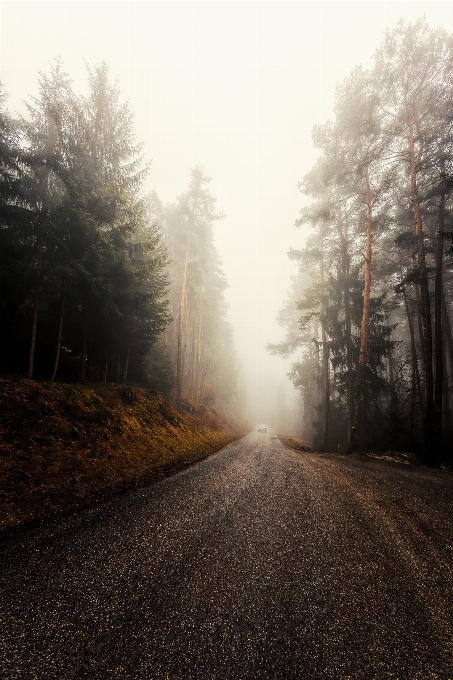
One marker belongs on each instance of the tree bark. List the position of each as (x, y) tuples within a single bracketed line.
[(349, 351), (179, 350), (106, 365), (358, 430), (314, 398), (348, 328), (326, 387), (429, 453), (83, 349), (438, 340), (118, 367), (325, 362), (446, 412), (447, 327), (415, 370), (448, 346), (419, 319), (198, 353), (34, 325), (126, 362), (393, 396), (60, 332)]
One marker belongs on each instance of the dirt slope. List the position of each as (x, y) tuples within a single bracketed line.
[(63, 447)]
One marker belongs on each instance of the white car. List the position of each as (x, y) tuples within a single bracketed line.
[(261, 428)]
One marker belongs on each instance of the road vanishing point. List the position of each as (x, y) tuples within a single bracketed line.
[(259, 562)]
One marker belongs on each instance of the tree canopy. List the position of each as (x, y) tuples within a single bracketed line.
[(99, 281), (369, 313)]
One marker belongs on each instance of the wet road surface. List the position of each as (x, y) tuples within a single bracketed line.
[(260, 562)]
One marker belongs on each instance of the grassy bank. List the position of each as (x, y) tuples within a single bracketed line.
[(64, 447)]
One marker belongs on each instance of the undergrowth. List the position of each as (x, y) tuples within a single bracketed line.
[(64, 447)]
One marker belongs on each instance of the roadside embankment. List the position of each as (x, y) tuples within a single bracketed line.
[(64, 447), (293, 443), (400, 457)]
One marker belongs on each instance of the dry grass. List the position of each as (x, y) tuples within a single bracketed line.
[(63, 447), (293, 443)]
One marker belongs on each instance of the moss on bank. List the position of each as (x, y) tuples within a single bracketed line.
[(64, 447)]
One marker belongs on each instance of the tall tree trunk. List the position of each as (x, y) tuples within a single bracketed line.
[(179, 352), (99, 365), (438, 340), (60, 331), (126, 362), (419, 320), (316, 395), (326, 387), (348, 326), (446, 411), (216, 342), (118, 367), (106, 365), (393, 400), (415, 370), (448, 346), (393, 395), (447, 328), (198, 353), (349, 358), (186, 346), (34, 325), (325, 362), (83, 348), (358, 430), (429, 454)]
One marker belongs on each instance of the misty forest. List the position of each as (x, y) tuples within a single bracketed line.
[(183, 494), (369, 310), (98, 282), (101, 283)]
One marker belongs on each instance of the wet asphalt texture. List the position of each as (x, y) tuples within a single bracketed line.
[(259, 562)]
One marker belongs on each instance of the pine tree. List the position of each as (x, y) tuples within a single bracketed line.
[(413, 72)]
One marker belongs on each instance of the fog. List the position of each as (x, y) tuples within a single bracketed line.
[(235, 87)]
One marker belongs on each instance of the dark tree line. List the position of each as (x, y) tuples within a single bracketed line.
[(83, 278), (97, 283), (370, 311)]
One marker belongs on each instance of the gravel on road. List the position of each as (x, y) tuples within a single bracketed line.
[(259, 562)]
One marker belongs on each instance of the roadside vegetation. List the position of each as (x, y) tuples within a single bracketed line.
[(64, 447), (111, 298)]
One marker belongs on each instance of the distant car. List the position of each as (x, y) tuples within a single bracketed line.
[(262, 428)]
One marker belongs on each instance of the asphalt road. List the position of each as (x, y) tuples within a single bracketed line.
[(260, 562)]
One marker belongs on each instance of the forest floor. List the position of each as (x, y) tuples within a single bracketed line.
[(406, 458), (64, 447)]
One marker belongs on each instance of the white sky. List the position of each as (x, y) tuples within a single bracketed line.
[(233, 86)]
